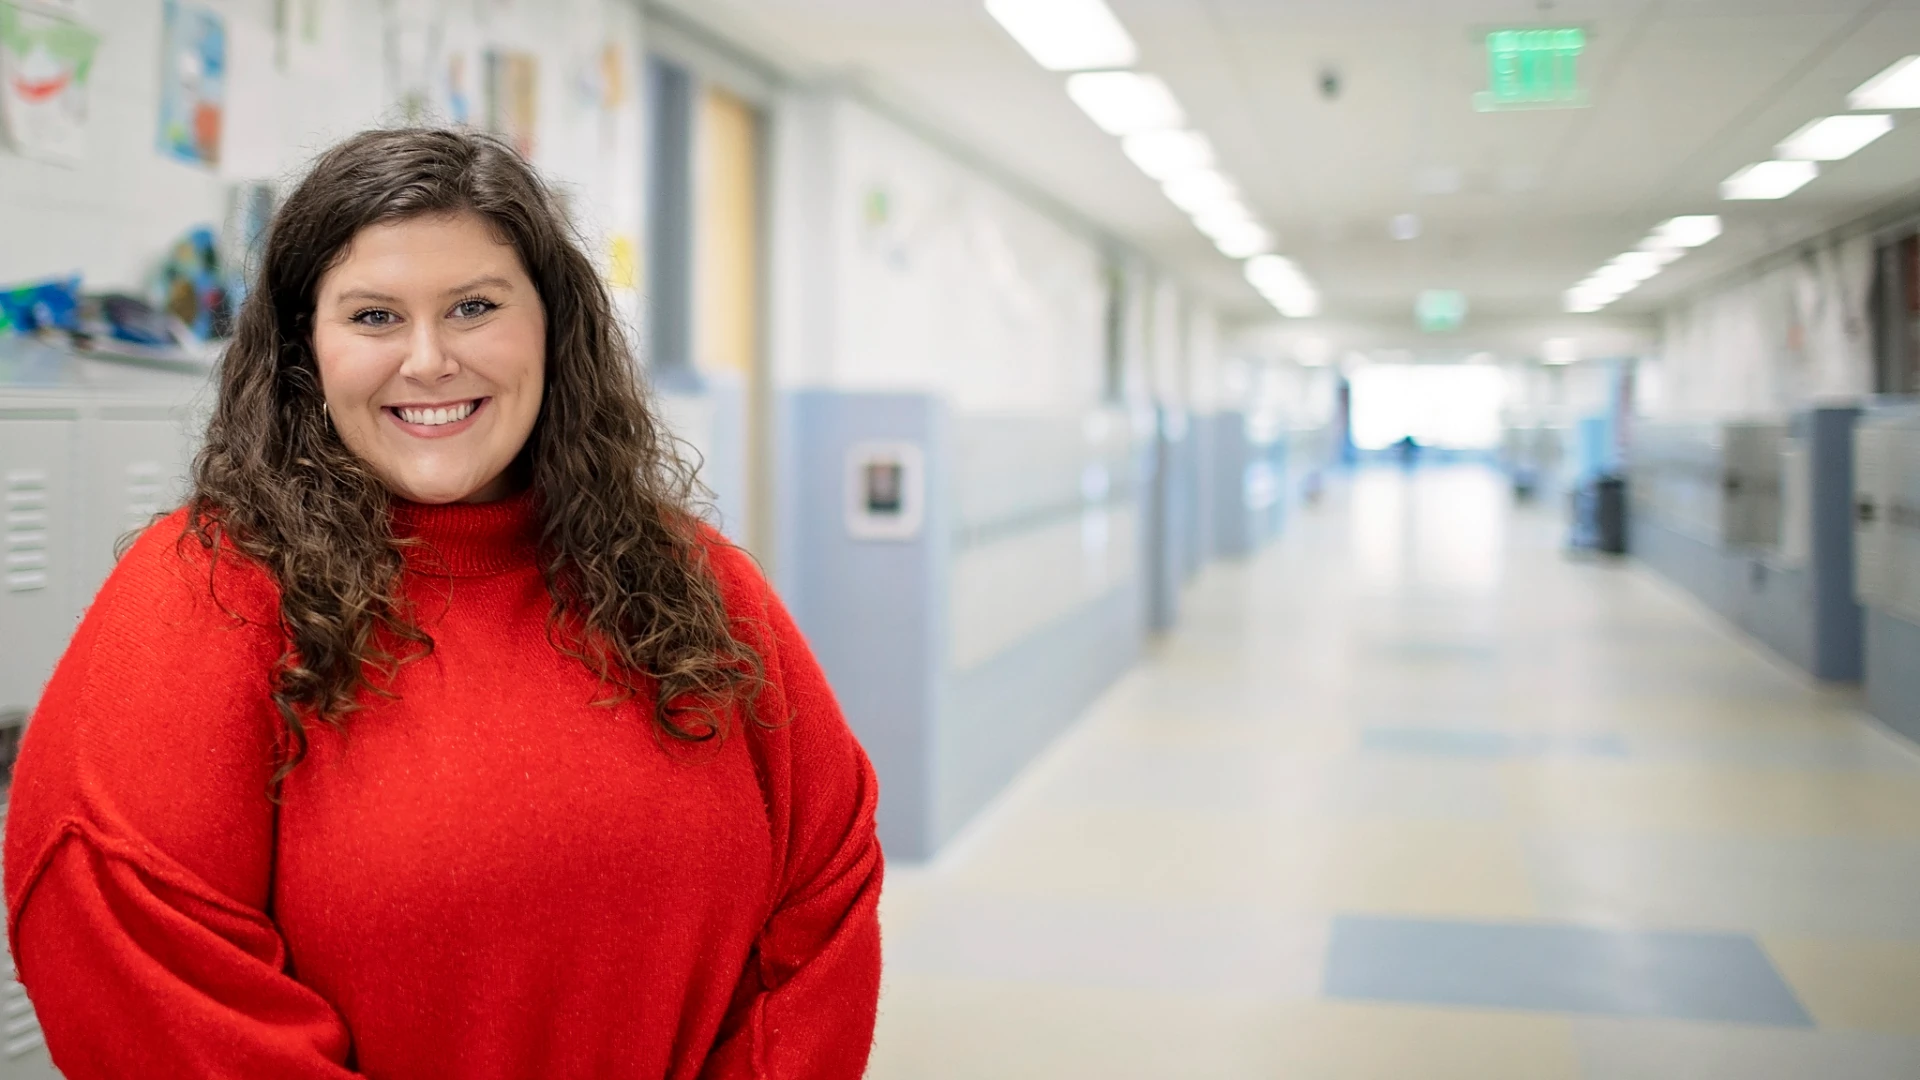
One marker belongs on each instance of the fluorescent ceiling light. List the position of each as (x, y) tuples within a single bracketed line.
[(1243, 242), (1661, 251), (1201, 192), (1834, 138), (1125, 102), (1582, 303), (1163, 155), (1637, 265), (1283, 285), (1223, 218), (1272, 271), (1688, 230), (1898, 87), (1769, 180), (1300, 305), (1561, 350), (1067, 35)]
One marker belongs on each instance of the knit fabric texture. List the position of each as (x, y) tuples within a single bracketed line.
[(487, 874)]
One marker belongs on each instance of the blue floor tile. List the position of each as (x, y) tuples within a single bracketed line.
[(1443, 742), (1672, 975)]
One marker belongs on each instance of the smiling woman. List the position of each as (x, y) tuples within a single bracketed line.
[(427, 329), (599, 814)]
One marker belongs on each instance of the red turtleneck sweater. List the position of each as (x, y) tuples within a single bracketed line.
[(485, 876)]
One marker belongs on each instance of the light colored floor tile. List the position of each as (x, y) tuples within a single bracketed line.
[(1813, 886), (1633, 794), (1666, 1050), (1350, 1041), (1853, 985), (1245, 951), (969, 1029)]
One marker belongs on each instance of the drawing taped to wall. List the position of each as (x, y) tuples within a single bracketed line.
[(46, 62), (512, 79), (193, 77)]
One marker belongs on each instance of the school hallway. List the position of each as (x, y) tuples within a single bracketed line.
[(1416, 793)]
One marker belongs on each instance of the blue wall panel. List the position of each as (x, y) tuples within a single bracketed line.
[(1807, 614), (1893, 672), (875, 611), (1000, 715)]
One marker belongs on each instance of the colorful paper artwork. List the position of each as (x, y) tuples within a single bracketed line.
[(193, 73), (623, 263), (46, 63), (512, 104)]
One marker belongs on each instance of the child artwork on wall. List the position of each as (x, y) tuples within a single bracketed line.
[(46, 62), (193, 74), (512, 107)]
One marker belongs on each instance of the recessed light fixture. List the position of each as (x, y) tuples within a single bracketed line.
[(1244, 241), (1067, 35), (1638, 265), (1898, 87), (1404, 226), (1165, 154), (1560, 350), (1769, 180), (1125, 102), (1201, 191), (1283, 285), (1223, 218), (1581, 302), (1687, 230), (1834, 137)]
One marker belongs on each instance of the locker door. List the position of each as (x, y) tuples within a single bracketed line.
[(36, 548), (23, 1052), (134, 467), (1872, 583), (1903, 522)]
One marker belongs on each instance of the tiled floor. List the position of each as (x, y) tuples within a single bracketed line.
[(1416, 795)]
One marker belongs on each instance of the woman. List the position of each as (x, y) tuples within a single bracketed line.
[(435, 737)]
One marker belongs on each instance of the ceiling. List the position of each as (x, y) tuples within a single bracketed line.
[(1515, 207)]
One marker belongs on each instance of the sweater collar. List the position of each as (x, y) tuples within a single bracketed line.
[(469, 539)]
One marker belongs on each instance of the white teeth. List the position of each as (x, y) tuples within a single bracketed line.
[(435, 417)]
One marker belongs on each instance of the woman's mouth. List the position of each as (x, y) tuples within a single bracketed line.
[(432, 420)]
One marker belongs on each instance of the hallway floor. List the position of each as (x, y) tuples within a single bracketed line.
[(1416, 795)]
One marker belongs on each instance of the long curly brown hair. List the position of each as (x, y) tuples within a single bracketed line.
[(620, 542)]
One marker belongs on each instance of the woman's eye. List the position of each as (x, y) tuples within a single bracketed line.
[(374, 317), (473, 309)]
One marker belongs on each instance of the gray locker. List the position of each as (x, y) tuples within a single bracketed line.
[(1751, 511), (1873, 452), (36, 578), (89, 449), (1903, 522), (134, 461)]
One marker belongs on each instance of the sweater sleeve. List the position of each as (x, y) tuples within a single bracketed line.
[(805, 1006), (140, 835)]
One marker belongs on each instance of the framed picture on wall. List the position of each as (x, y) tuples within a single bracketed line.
[(886, 491)]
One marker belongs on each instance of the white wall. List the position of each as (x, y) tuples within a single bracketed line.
[(113, 215), (899, 267), (1792, 336)]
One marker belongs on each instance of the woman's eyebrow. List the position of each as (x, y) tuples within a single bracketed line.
[(490, 281)]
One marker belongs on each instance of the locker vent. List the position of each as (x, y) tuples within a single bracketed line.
[(18, 1026), (143, 493), (26, 536)]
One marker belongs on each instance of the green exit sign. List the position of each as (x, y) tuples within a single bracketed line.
[(1440, 310), (1537, 68)]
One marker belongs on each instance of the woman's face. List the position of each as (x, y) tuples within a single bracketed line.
[(431, 341)]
